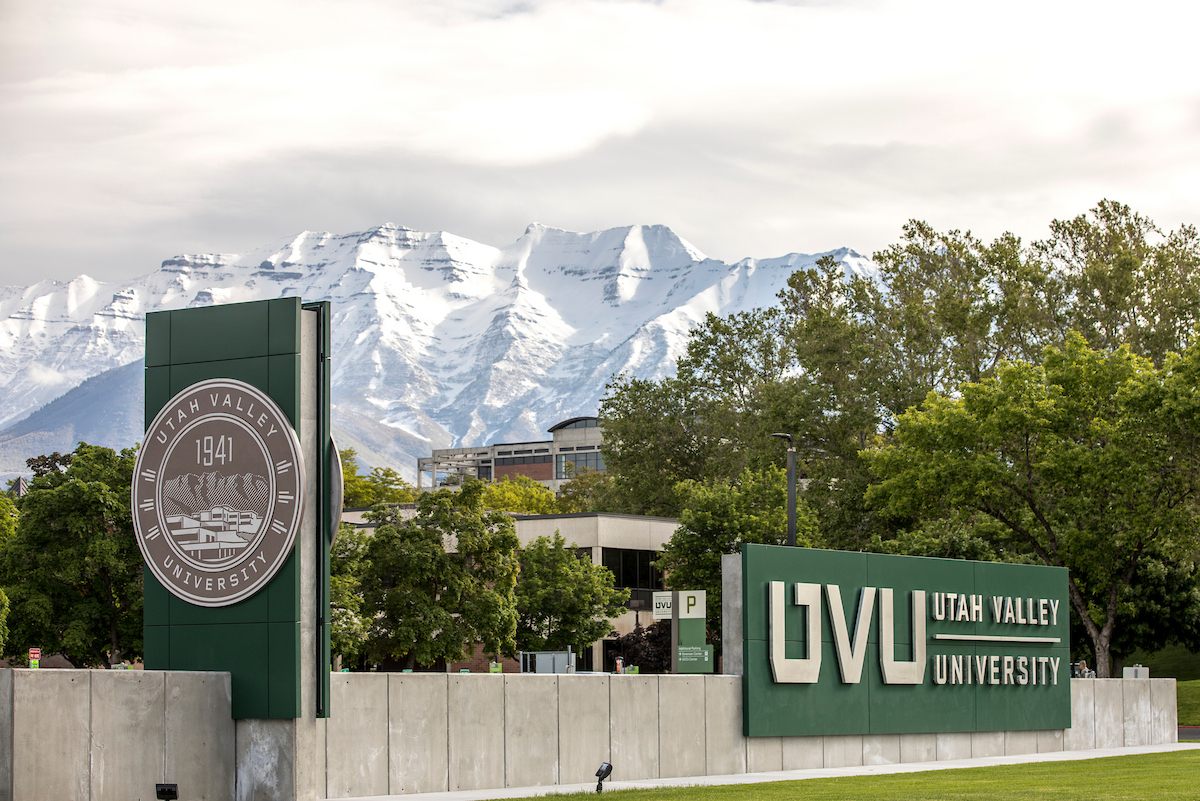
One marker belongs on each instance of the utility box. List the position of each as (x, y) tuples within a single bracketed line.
[(548, 661)]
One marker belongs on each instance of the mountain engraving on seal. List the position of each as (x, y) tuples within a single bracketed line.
[(212, 516)]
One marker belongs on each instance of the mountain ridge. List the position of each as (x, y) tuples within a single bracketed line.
[(438, 340)]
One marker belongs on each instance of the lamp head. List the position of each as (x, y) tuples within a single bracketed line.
[(605, 770), (788, 437), (166, 792)]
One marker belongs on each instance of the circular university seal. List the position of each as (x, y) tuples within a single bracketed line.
[(218, 492)]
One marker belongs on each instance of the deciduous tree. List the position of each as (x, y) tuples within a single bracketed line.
[(1088, 459), (520, 494), (436, 584), (720, 515), (349, 624), (562, 598), (381, 485), (72, 570)]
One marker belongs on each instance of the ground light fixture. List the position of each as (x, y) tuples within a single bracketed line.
[(602, 774), (166, 792)]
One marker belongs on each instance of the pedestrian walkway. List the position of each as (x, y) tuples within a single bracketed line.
[(780, 776)]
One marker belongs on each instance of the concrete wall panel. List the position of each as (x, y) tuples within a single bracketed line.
[(918, 747), (881, 749), (476, 735), (726, 750), (418, 726), (1110, 714), (201, 738), (681, 746), (51, 728), (129, 713), (1050, 740), (265, 767), (1020, 742), (987, 744), (954, 745), (803, 753), (531, 730), (1082, 734), (1135, 697), (1164, 712), (6, 734), (731, 614), (583, 722), (633, 716), (764, 754), (358, 728), (843, 750)]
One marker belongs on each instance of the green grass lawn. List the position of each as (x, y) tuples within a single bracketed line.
[(1188, 701), (1161, 777)]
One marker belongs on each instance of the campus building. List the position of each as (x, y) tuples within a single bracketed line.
[(573, 442)]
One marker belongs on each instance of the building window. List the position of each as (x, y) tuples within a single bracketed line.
[(591, 461), (485, 473), (523, 460), (632, 570), (589, 422)]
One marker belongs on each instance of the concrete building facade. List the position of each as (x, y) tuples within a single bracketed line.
[(573, 442)]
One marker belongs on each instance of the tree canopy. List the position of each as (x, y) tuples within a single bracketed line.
[(720, 515), (436, 584), (562, 598), (381, 485), (72, 569), (349, 622), (1087, 459), (520, 494)]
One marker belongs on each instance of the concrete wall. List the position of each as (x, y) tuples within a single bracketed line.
[(95, 735), (1121, 713), (492, 731)]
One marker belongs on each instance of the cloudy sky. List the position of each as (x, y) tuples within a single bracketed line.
[(134, 130)]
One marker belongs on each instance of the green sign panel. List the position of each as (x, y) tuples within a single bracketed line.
[(837, 642), (219, 495), (695, 659)]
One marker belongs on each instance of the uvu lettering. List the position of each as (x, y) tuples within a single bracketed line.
[(850, 653), (1005, 609), (992, 669)]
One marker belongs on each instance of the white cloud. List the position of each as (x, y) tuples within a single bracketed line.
[(145, 129)]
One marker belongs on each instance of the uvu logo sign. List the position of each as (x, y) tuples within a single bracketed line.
[(1022, 669), (218, 492), (837, 642)]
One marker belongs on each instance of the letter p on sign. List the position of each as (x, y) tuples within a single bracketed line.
[(692, 604)]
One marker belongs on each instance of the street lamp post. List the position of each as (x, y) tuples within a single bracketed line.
[(791, 487)]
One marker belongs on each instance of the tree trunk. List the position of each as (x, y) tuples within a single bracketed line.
[(1102, 646)]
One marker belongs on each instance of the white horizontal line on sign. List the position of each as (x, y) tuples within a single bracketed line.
[(986, 638)]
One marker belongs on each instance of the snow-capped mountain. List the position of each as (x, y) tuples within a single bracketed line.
[(438, 341)]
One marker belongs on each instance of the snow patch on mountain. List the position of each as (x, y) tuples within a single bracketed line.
[(437, 340)]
